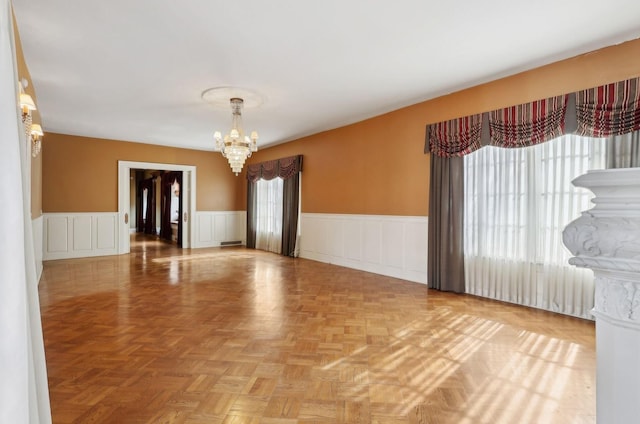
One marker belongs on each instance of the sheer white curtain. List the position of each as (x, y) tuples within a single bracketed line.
[(517, 202), (24, 395), (269, 214)]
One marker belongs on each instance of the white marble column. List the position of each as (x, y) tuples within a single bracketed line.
[(606, 239)]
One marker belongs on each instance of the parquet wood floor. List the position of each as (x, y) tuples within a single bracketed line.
[(232, 335)]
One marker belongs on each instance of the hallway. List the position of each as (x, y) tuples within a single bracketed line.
[(230, 335)]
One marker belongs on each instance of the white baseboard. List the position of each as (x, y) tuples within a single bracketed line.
[(389, 245)]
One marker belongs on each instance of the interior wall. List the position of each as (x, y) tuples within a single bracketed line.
[(36, 163), (81, 173), (377, 166)]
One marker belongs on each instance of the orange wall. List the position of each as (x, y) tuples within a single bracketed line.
[(377, 166), (372, 167), (80, 174)]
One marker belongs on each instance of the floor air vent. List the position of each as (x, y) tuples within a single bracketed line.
[(231, 243)]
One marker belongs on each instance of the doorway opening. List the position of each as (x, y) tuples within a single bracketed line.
[(156, 199), (156, 204)]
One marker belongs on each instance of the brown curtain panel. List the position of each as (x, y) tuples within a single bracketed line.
[(150, 215), (251, 214), (623, 151), (168, 178), (139, 212), (165, 206), (445, 261), (147, 221), (290, 172), (290, 209), (178, 175)]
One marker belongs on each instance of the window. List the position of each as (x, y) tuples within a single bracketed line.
[(269, 214), (517, 202)]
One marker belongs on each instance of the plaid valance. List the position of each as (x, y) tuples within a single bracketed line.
[(604, 111), (528, 124), (611, 109), (456, 137), (284, 168)]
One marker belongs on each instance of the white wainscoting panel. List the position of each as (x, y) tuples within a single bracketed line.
[(81, 234), (389, 245), (78, 235), (56, 229), (215, 227), (105, 236), (38, 238)]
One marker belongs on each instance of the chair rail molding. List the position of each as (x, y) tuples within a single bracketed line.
[(606, 239)]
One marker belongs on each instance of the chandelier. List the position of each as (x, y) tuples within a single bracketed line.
[(236, 146)]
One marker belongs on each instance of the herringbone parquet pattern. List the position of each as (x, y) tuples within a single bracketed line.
[(241, 336)]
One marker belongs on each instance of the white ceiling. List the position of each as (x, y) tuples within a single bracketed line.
[(135, 69)]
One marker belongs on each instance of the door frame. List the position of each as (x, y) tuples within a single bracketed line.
[(124, 200)]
